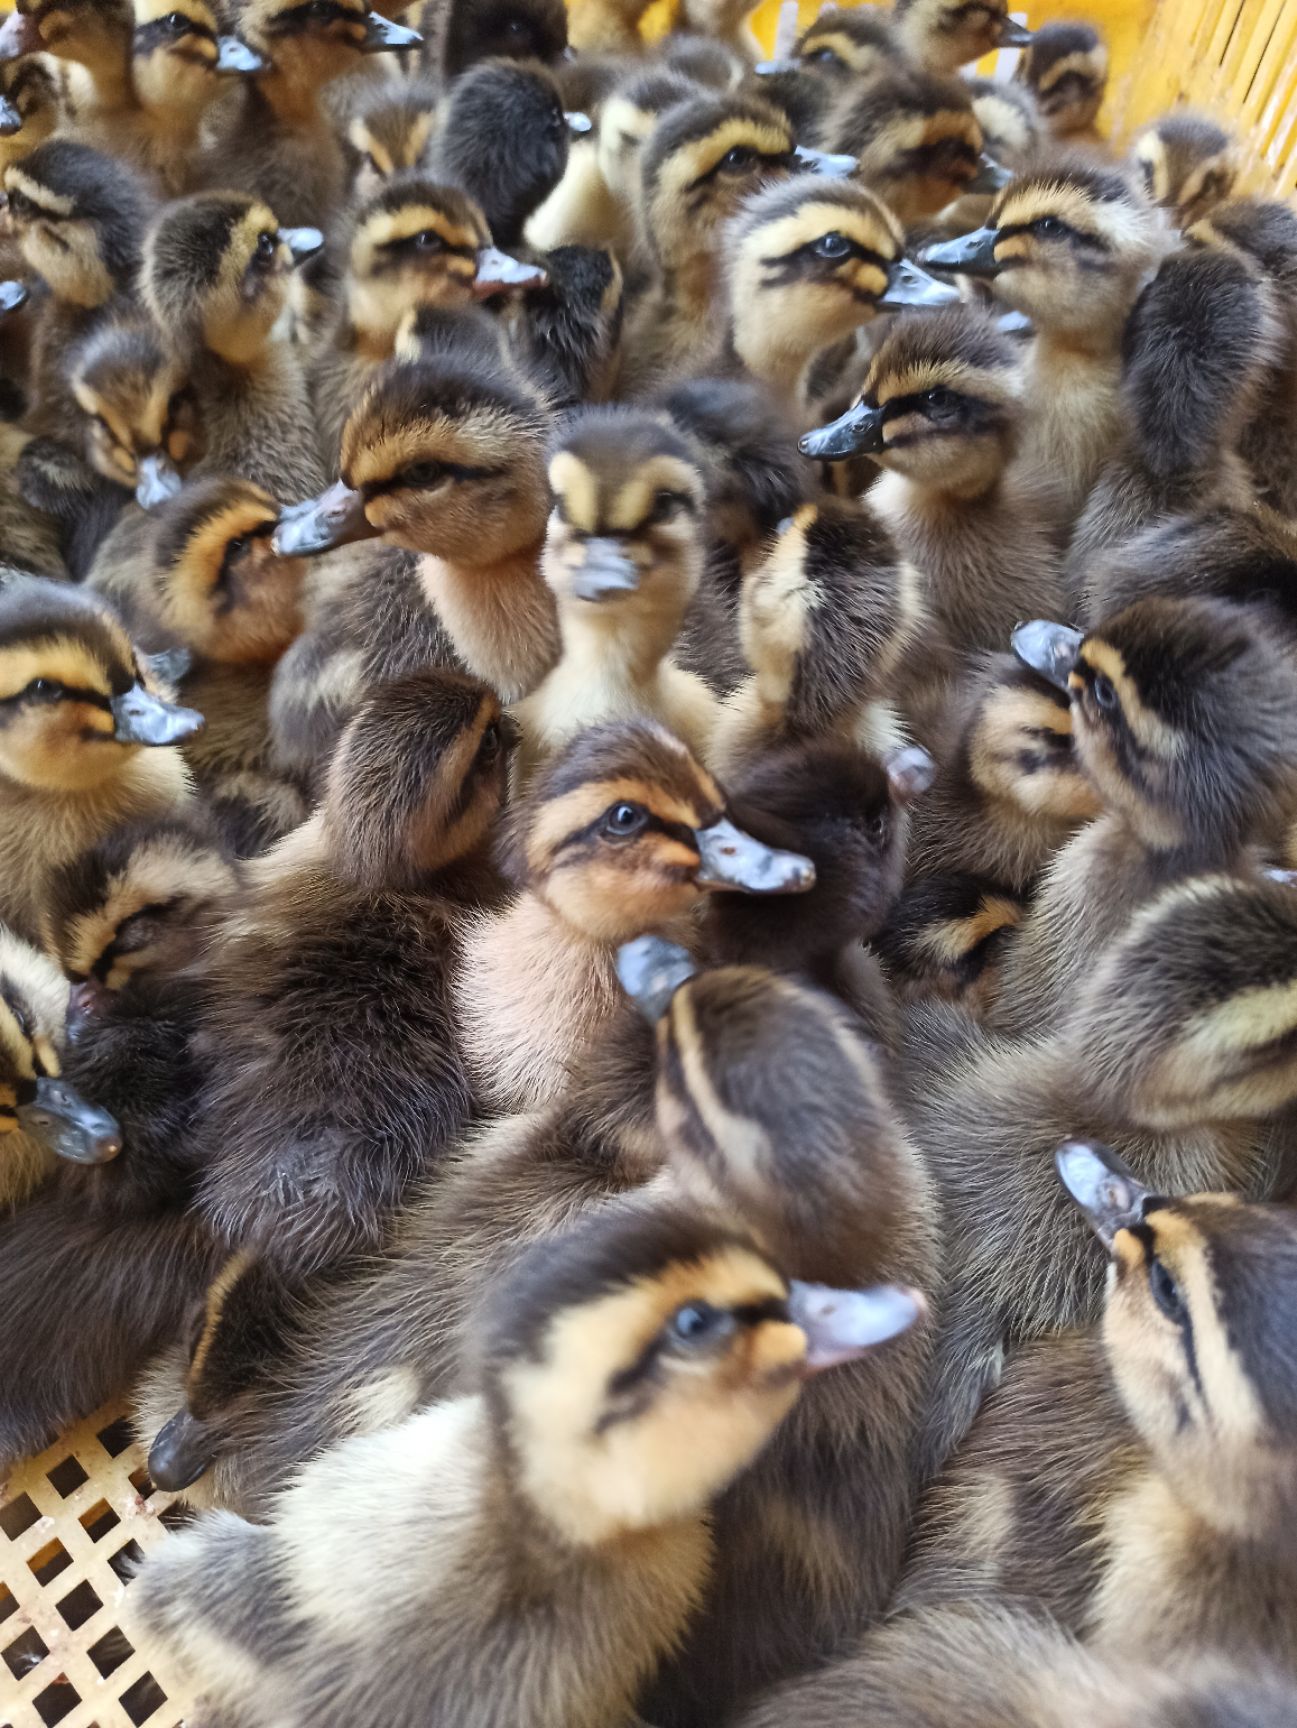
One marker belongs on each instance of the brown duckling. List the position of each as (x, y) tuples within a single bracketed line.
[(1068, 246), (33, 541), (1188, 164), (1066, 70), (941, 411), (141, 419), (181, 64), (943, 35), (92, 41), (916, 137), (215, 278), (390, 131), (623, 554), (573, 1504), (76, 715), (29, 107), (945, 940)]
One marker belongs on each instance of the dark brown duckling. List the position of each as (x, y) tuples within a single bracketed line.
[(1066, 70)]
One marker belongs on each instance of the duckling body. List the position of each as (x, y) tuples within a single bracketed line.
[(182, 68)]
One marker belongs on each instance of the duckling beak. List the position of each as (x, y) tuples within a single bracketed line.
[(843, 1325), (182, 1452), (1015, 35), (907, 285), (910, 772), (12, 296), (336, 518), (773, 68), (61, 1119), (1014, 324), (142, 718), (20, 35), (171, 664), (11, 120), (858, 432), (578, 124), (303, 243), (821, 162), (235, 58), (969, 254), (1048, 649), (651, 970), (991, 176), (604, 571), (732, 859), (159, 479), (497, 272), (382, 36), (1105, 1188)]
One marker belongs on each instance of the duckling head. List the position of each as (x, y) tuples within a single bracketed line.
[(92, 33), (1066, 245), (1018, 750), (310, 45), (478, 30), (624, 831), (142, 429), (1009, 120), (846, 44), (114, 913), (943, 35), (221, 589), (1066, 70), (1188, 165), (215, 272), (942, 404), (74, 704), (946, 937), (1181, 717), (1256, 229), (624, 545), (627, 117), (391, 130), (417, 780), (40, 1113), (79, 219), (1195, 1328), (917, 138), (180, 58), (636, 1363), (29, 108)]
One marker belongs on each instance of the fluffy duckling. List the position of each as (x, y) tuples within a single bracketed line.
[(566, 333), (141, 419), (642, 1326), (390, 131), (457, 34), (623, 554), (1179, 719), (275, 138), (181, 64), (215, 278), (29, 107), (943, 35), (92, 40), (42, 1117), (1175, 1048), (79, 220), (1188, 165), (916, 137), (76, 716), (1066, 69), (941, 410), (840, 45), (945, 940), (1067, 245), (33, 541)]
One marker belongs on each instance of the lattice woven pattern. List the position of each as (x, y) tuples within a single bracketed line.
[(73, 1524)]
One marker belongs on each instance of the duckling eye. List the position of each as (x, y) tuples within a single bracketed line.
[(489, 746), (665, 506), (832, 246), (428, 240), (1105, 693), (20, 204), (1166, 1292), (267, 246), (623, 821), (738, 160), (176, 22), (821, 57), (236, 547), (699, 1323), (43, 690), (940, 400), (1048, 228)]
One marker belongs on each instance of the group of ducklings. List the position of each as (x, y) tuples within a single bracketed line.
[(648, 799)]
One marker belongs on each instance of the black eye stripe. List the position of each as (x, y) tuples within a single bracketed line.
[(1092, 241), (158, 34), (760, 158), (70, 693)]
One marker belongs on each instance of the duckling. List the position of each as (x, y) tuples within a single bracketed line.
[(1199, 349), (79, 220), (98, 1269), (75, 714), (1188, 164), (215, 279), (92, 40), (1011, 135), (566, 332), (623, 553), (29, 107), (32, 540), (1067, 245), (391, 130), (276, 139), (42, 1117), (943, 35), (941, 410), (457, 34), (1157, 1051), (945, 940), (414, 243), (557, 1523), (1179, 718), (1066, 69), (180, 66), (916, 137), (828, 623), (141, 419)]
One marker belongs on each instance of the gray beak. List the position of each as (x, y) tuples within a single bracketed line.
[(1015, 35), (20, 35), (578, 124), (497, 273), (303, 243), (382, 36), (991, 176), (159, 479), (11, 120), (732, 859), (907, 285), (336, 518), (1048, 649), (651, 970), (821, 162), (61, 1119), (858, 432), (1103, 1186), (12, 296), (605, 571), (842, 1325), (142, 718), (967, 255), (235, 58), (1014, 324), (183, 1451), (910, 772), (773, 68), (171, 664)]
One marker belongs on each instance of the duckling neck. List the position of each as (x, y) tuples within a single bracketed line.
[(103, 85), (292, 101), (604, 648), (500, 615), (778, 356)]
